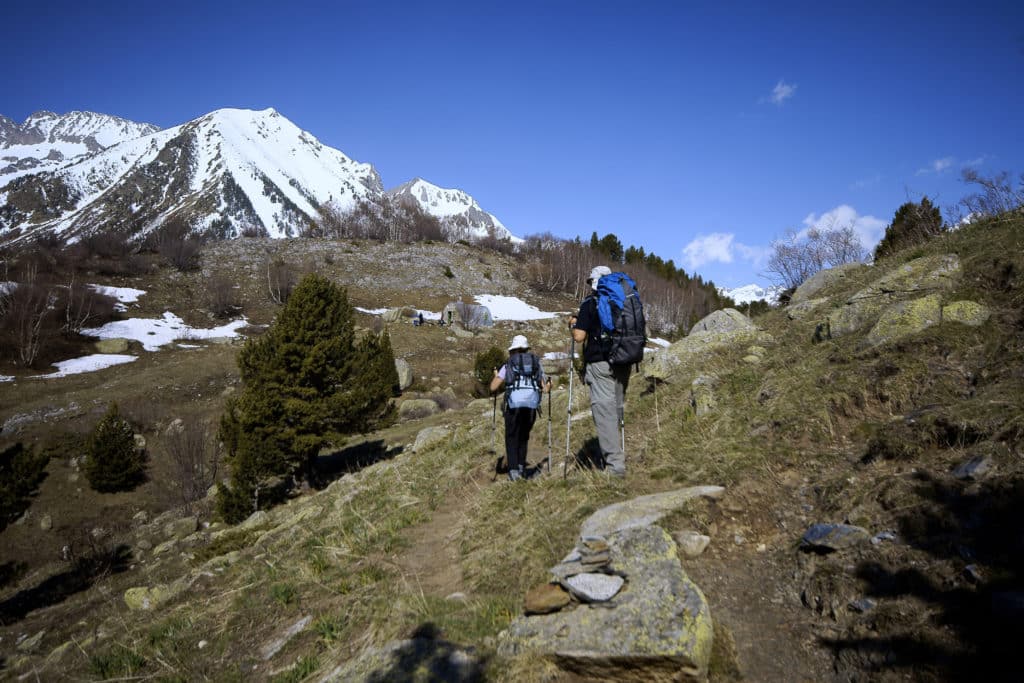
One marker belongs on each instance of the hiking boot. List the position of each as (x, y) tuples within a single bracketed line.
[(514, 475)]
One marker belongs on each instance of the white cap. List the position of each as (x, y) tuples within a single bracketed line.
[(597, 272), (519, 342)]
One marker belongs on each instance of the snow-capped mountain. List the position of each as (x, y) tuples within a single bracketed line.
[(223, 173), (748, 293), (46, 140), (456, 210)]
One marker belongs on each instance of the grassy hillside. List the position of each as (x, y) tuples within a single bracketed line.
[(426, 542)]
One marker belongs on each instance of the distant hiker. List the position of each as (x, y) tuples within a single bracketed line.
[(608, 356), (525, 380), (420, 319)]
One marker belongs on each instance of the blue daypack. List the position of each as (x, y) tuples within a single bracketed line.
[(623, 324), (522, 379)]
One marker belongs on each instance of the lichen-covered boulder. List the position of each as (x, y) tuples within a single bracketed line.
[(905, 318), (668, 364), (821, 280), (966, 313), (115, 345), (404, 374), (643, 511), (922, 276), (144, 598), (803, 309), (658, 630)]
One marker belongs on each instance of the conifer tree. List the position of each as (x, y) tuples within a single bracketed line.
[(113, 462), (307, 383), (912, 224)]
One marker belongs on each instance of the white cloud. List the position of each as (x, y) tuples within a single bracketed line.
[(937, 166), (868, 228), (723, 248), (865, 183), (709, 248), (977, 162), (782, 92)]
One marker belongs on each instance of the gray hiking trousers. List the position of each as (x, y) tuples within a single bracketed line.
[(607, 390)]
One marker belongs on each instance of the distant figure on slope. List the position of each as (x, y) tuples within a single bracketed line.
[(419, 319), (525, 381)]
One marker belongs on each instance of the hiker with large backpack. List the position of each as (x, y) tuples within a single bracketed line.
[(612, 328), (524, 382)]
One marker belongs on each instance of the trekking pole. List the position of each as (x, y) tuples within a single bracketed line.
[(568, 410), (549, 428), (494, 412)]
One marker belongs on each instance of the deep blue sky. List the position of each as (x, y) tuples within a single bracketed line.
[(698, 131)]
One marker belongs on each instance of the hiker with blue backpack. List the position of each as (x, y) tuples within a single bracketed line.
[(525, 381), (612, 328)]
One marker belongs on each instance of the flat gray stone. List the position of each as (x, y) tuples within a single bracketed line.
[(834, 536), (594, 587), (643, 511)]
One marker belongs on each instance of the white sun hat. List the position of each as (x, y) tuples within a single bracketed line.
[(519, 342)]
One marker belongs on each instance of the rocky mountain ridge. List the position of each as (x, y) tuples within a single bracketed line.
[(229, 172)]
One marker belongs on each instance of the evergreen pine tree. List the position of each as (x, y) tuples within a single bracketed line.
[(912, 224), (307, 383), (113, 462)]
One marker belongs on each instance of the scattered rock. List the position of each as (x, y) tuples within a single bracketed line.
[(139, 518), (140, 442), (883, 536), (30, 644), (702, 394), (643, 511), (972, 573), (831, 537), (975, 468), (404, 373), (458, 596), (177, 426), (143, 544), (180, 528), (545, 598), (274, 646), (803, 309), (906, 318), (143, 598), (863, 605), (752, 359), (691, 543), (46, 522), (117, 345), (429, 437), (590, 587)]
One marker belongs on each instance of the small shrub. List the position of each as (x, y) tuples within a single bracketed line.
[(222, 296), (21, 471), (283, 593), (119, 662), (112, 461), (194, 459), (484, 365), (448, 272), (329, 628)]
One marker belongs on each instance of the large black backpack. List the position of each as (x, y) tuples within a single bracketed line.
[(623, 325), (522, 381)]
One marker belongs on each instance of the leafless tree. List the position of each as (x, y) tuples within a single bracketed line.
[(996, 196), (222, 296), (83, 305), (281, 279), (473, 316), (194, 457), (797, 256)]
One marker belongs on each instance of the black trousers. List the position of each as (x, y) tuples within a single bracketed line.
[(518, 423)]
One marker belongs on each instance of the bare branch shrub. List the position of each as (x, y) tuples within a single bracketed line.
[(194, 457), (222, 296), (281, 279), (996, 195), (84, 306), (176, 244), (473, 316), (797, 256)]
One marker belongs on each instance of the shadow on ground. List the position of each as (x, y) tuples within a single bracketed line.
[(975, 606), (352, 459), (427, 657)]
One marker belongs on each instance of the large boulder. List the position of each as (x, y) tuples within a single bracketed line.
[(429, 437), (414, 408), (658, 630), (724, 320), (922, 276), (115, 345), (822, 280), (905, 318), (702, 394), (404, 374)]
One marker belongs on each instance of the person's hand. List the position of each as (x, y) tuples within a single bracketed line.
[(572, 321)]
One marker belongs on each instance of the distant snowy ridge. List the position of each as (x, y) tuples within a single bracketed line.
[(225, 173), (749, 293), (456, 209), (47, 140)]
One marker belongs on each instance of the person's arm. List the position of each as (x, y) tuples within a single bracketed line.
[(496, 381)]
